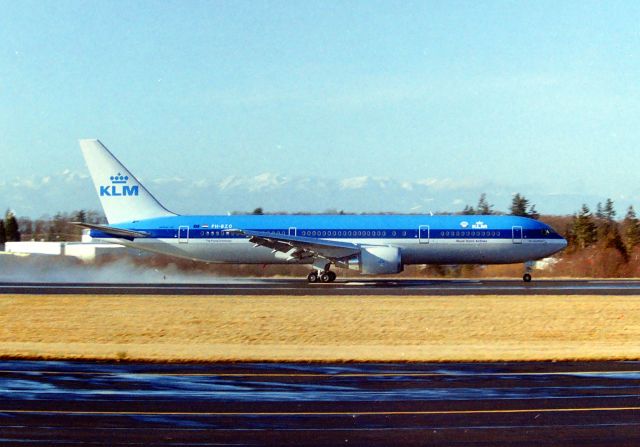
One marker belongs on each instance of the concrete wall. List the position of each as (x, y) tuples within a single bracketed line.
[(44, 248), (80, 250)]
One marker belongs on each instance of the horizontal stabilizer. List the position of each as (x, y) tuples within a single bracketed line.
[(118, 232)]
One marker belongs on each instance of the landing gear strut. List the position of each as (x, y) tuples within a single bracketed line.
[(528, 267), (324, 276)]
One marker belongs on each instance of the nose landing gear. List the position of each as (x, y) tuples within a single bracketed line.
[(528, 268)]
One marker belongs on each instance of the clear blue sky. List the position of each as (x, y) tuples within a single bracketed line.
[(538, 94)]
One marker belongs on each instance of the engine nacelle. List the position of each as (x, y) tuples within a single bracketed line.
[(380, 260)]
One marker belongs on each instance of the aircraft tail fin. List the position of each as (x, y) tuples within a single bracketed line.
[(122, 196)]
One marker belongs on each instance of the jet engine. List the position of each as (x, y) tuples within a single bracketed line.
[(377, 261)]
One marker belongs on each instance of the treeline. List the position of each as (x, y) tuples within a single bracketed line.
[(520, 206), (601, 246), (57, 228)]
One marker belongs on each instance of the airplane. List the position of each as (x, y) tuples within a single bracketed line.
[(370, 244)]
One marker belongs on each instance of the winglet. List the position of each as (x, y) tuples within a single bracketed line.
[(122, 196)]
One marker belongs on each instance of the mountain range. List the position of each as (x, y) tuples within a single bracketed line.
[(67, 191)]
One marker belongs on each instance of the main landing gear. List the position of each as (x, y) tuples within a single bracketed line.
[(321, 272), (321, 276)]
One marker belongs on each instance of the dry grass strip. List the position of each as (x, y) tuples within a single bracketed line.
[(320, 328)]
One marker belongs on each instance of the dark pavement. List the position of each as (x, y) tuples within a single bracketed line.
[(351, 287), (512, 404)]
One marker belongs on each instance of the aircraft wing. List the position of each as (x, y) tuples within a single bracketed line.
[(297, 247), (118, 232)]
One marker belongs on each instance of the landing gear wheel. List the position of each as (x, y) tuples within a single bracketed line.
[(332, 276), (526, 277), (313, 277), (325, 277)]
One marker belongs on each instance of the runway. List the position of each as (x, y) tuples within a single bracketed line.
[(523, 404), (347, 287)]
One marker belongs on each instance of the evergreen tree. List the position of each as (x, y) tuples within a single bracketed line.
[(519, 205), (584, 228), (258, 211), (599, 211), (3, 233), (608, 211), (484, 207), (607, 227), (11, 228), (631, 225), (468, 210), (612, 239)]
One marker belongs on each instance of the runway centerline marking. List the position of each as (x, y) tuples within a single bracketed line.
[(321, 413)]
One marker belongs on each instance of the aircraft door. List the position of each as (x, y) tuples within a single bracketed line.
[(183, 235), (423, 234), (292, 231), (517, 235)]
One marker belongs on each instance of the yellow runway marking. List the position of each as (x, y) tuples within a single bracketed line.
[(322, 413)]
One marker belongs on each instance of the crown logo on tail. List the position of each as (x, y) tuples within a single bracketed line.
[(119, 179)]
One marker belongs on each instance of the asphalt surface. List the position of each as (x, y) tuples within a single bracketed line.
[(341, 287), (514, 404)]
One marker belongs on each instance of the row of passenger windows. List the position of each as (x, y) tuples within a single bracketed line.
[(215, 234), (470, 233), (349, 233)]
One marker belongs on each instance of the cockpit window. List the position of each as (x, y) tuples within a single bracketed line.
[(546, 232)]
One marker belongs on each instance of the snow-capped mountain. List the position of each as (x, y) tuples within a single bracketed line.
[(68, 191)]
